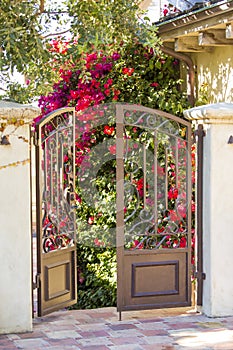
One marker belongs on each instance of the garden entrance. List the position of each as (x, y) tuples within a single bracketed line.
[(120, 176)]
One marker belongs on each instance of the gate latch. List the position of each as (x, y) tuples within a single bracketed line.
[(36, 284), (200, 275)]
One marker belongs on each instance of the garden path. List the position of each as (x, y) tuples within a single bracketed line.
[(99, 329)]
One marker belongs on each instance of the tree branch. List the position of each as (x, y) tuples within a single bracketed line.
[(41, 6), (55, 34)]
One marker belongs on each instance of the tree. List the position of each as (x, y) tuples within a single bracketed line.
[(30, 26), (25, 29)]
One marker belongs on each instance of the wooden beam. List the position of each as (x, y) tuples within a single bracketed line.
[(215, 37), (229, 31), (189, 44)]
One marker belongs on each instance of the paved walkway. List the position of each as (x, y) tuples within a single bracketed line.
[(167, 329)]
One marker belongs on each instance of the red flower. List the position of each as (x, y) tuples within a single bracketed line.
[(109, 130), (136, 244), (154, 84), (139, 185), (128, 71), (107, 92), (91, 220), (183, 242), (116, 94), (173, 193), (165, 10), (160, 229), (74, 94)]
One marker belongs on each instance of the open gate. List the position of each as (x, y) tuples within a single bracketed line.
[(55, 213), (153, 204), (153, 209)]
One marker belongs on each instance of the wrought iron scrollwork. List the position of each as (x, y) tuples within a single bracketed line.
[(58, 200), (156, 171)]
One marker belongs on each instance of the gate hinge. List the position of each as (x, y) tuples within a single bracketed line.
[(200, 132), (200, 275), (36, 284), (35, 138)]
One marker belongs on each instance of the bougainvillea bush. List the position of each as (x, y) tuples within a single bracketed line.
[(134, 74)]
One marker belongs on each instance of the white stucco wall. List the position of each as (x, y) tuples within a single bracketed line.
[(215, 68), (217, 207), (15, 223)]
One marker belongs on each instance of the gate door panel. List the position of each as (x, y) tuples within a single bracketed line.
[(56, 241), (153, 209)]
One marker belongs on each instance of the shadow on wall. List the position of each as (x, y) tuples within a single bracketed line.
[(215, 76)]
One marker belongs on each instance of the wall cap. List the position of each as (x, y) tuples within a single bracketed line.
[(10, 110), (217, 113)]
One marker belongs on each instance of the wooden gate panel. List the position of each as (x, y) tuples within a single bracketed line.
[(57, 274), (152, 280)]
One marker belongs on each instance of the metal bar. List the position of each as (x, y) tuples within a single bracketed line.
[(189, 205), (144, 175), (51, 178), (155, 182), (74, 275), (38, 211), (31, 216), (166, 180), (199, 214), (120, 205), (176, 162), (56, 172)]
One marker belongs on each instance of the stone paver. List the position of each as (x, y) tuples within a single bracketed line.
[(167, 329)]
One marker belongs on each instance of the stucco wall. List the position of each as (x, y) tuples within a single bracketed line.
[(15, 219), (15, 247), (215, 68), (217, 207)]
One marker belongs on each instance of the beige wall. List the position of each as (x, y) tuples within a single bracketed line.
[(215, 68), (15, 221), (217, 120)]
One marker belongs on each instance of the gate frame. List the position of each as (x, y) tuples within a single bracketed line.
[(47, 271), (120, 210)]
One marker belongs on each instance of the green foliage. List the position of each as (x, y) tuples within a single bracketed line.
[(108, 25), (97, 277), (203, 95), (21, 41), (110, 22)]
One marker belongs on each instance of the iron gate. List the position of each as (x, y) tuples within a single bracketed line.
[(153, 203), (153, 209), (55, 212)]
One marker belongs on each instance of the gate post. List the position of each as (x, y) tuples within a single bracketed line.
[(15, 218), (217, 120)]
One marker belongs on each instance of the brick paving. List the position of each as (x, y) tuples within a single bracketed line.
[(100, 329)]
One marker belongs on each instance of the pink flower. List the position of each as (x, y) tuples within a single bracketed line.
[(173, 216), (154, 84), (181, 210), (112, 149)]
